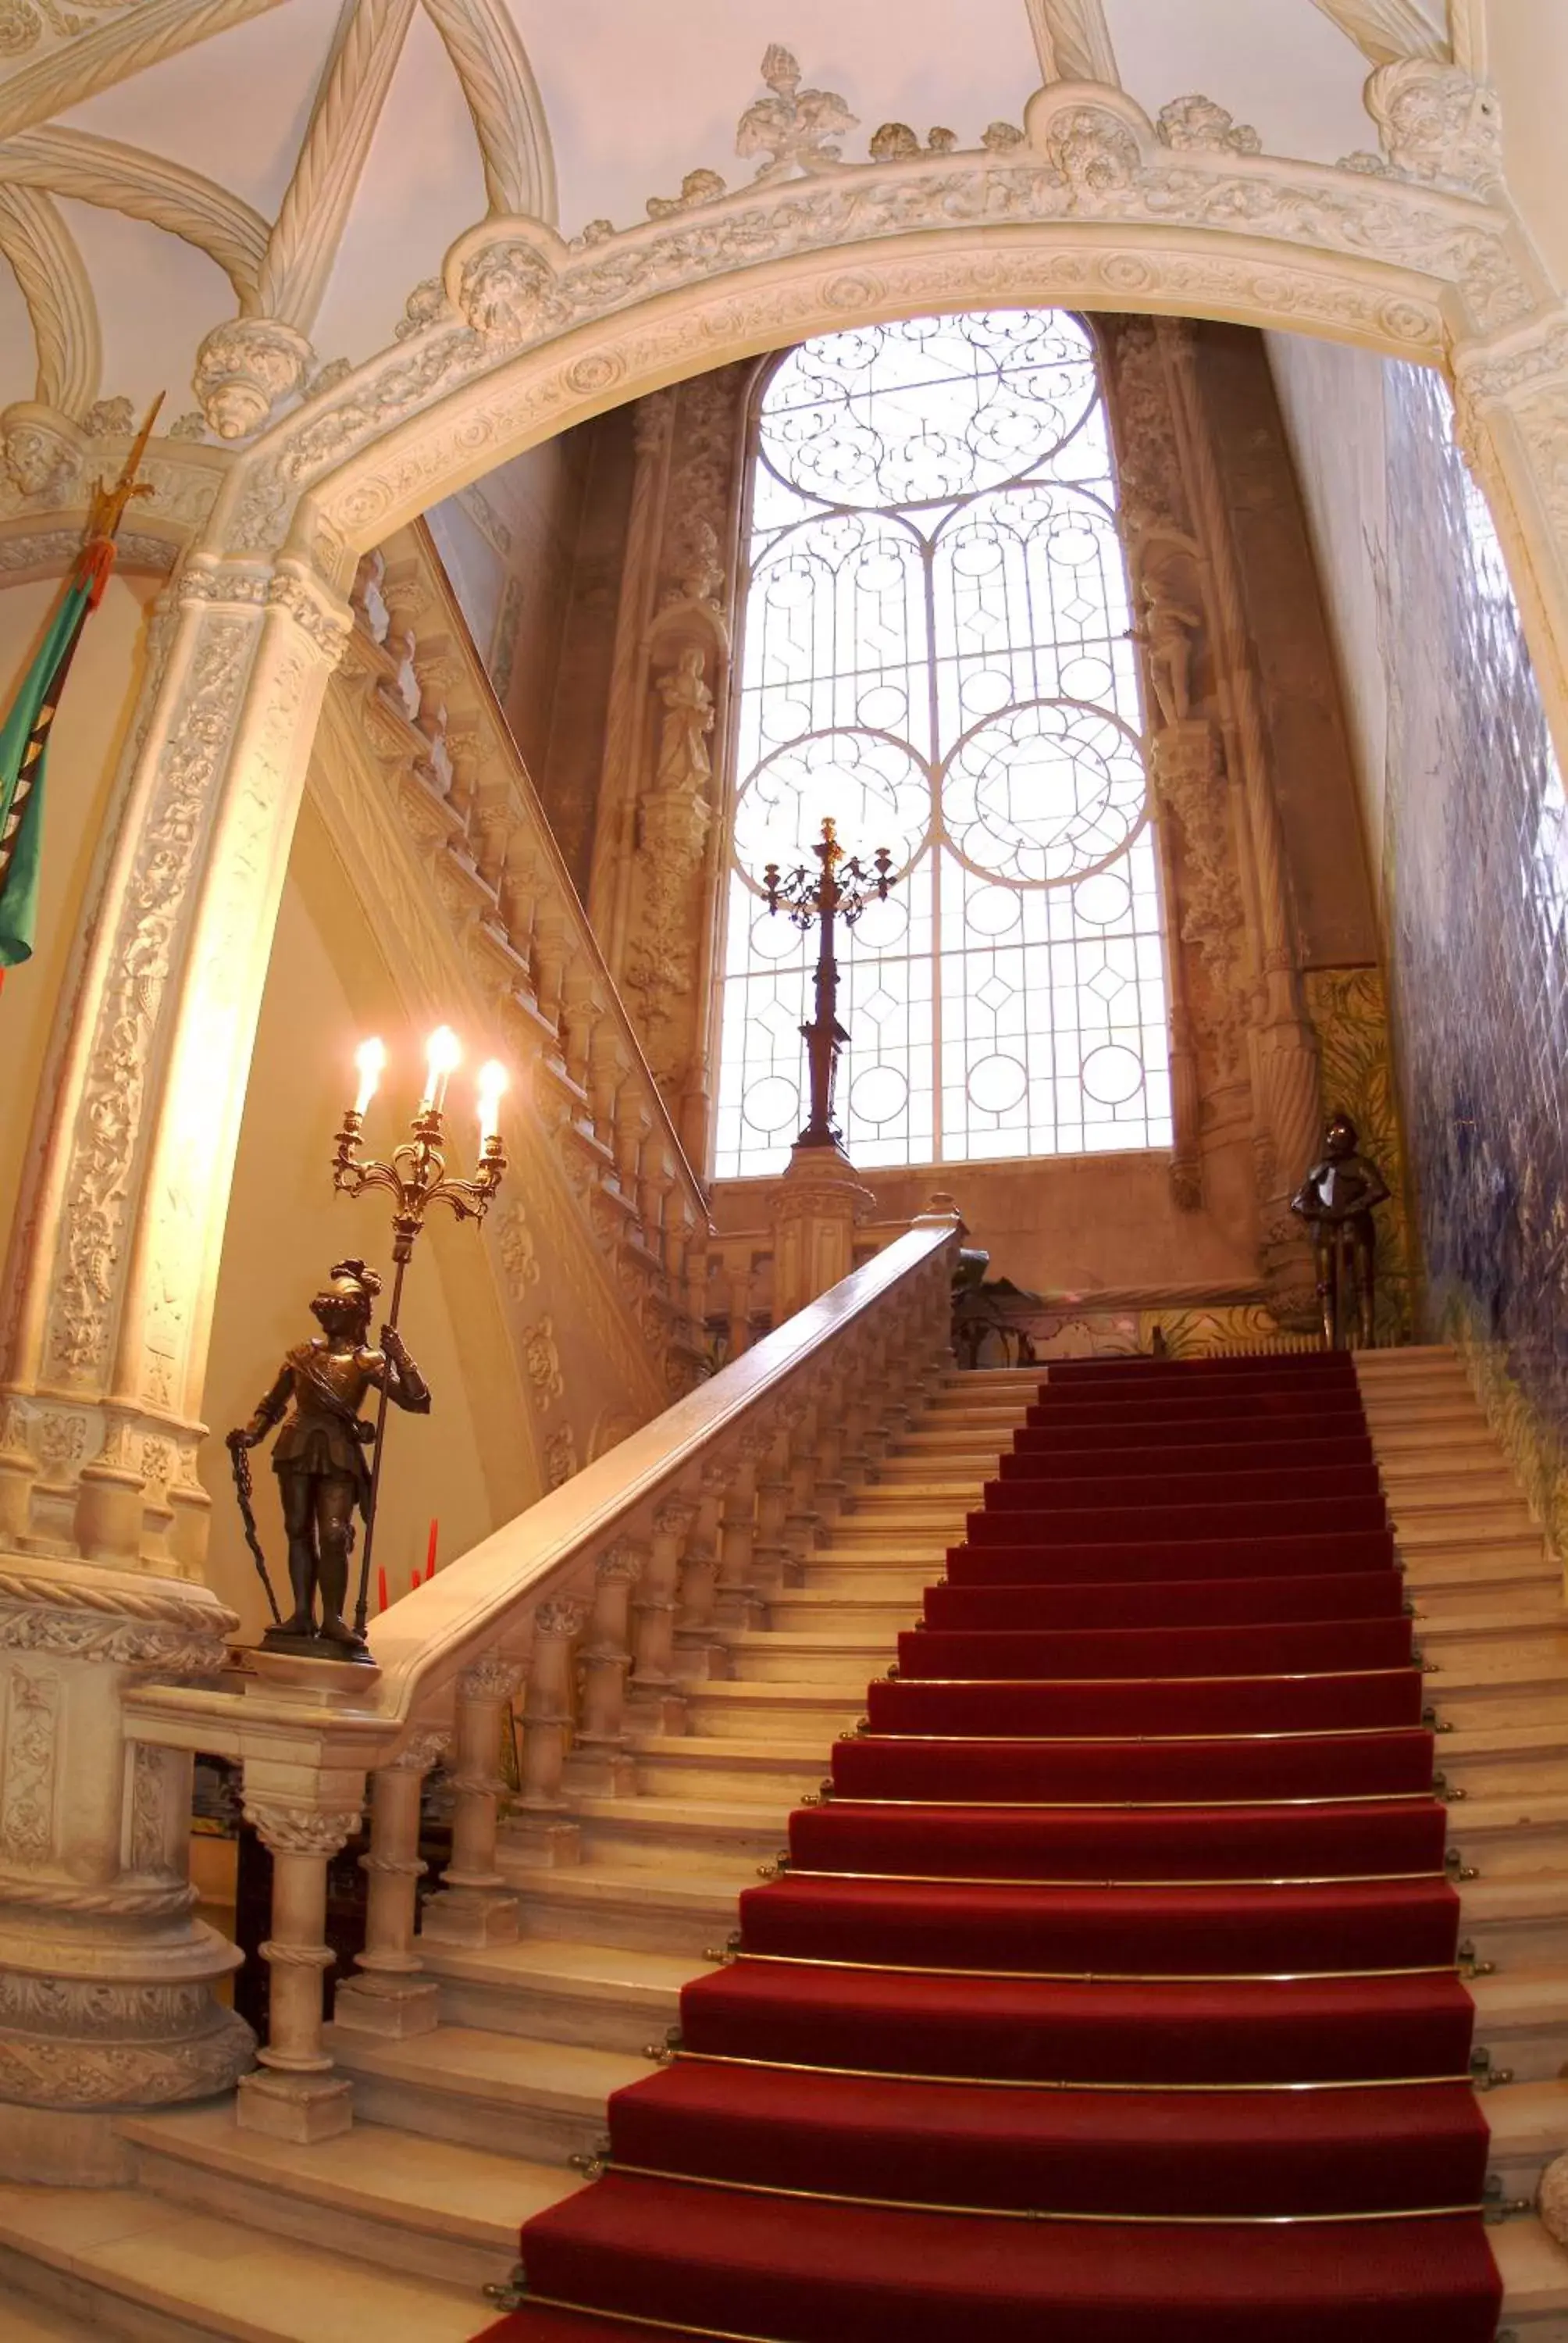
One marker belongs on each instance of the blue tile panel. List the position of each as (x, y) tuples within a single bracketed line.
[(1476, 888)]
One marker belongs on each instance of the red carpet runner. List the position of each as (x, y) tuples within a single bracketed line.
[(1112, 1996)]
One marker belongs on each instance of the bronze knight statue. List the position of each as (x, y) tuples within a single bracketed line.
[(1337, 1198), (323, 1475)]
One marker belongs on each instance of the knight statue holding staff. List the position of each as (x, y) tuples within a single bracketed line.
[(1337, 1198), (322, 1474)]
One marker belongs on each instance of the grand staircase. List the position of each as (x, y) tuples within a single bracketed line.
[(465, 2132)]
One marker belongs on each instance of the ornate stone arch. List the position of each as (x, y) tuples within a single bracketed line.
[(1418, 257)]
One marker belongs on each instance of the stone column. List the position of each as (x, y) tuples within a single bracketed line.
[(540, 1831), (601, 1742), (475, 1907), (390, 1995), (107, 1981), (654, 1607), (815, 1207), (296, 2095), (114, 1258)]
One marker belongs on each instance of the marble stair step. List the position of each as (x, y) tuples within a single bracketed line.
[(1442, 1573), (1518, 1920), (877, 1583), (513, 2093), (1431, 1545), (780, 1656), (1529, 2126), (1521, 2020), (655, 1832), (1525, 1758), (430, 2209), (809, 1716), (127, 2262), (711, 1765), (1534, 2271), (607, 1902), (591, 1995), (824, 1611), (1482, 1614), (1420, 1524)]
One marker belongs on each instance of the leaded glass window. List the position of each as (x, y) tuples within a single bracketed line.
[(935, 650)]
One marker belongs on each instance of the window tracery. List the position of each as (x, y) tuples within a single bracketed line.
[(938, 650)]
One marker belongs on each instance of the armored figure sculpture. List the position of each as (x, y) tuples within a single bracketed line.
[(320, 1460), (1337, 1198)]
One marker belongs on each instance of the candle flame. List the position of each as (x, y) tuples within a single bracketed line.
[(370, 1058)]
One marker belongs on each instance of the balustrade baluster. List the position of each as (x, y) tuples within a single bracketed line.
[(802, 1513), (540, 1831), (654, 1607), (474, 1905), (700, 1570), (602, 1750), (770, 1547), (296, 2093), (391, 1994), (738, 1536)]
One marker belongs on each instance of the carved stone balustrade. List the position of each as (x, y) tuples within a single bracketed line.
[(414, 692), (637, 1569)]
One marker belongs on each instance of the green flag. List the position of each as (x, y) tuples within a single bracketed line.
[(23, 741)]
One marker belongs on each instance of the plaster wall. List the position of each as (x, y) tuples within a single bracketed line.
[(328, 984), (84, 748)]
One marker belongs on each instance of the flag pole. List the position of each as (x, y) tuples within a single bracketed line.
[(26, 731)]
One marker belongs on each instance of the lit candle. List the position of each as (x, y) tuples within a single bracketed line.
[(492, 1083), (370, 1058), (443, 1051)]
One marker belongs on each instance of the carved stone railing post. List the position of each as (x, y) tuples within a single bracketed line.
[(738, 1536), (802, 1513), (296, 2095), (540, 1830), (390, 1995), (699, 1570), (474, 1905), (606, 1656), (654, 1605), (770, 1547), (608, 1069)]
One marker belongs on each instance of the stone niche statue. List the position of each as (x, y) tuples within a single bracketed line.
[(684, 764), (1337, 1199)]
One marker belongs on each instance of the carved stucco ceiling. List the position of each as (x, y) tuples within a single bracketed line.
[(415, 117)]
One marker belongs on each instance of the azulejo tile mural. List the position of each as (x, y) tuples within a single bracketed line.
[(1476, 885)]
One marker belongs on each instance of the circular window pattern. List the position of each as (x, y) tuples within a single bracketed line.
[(882, 927), (770, 1103), (1045, 793), (996, 1083), (1112, 1074), (879, 1094), (928, 407), (993, 911), (1103, 900), (873, 787)]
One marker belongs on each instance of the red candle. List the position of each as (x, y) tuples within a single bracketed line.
[(430, 1550)]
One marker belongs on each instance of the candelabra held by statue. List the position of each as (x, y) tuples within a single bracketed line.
[(840, 888), (329, 1458), (1337, 1199)]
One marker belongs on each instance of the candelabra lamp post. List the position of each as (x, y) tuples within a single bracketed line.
[(819, 1200), (838, 889), (320, 1460)]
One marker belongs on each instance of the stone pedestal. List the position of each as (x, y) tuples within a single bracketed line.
[(815, 1208), (107, 1980)]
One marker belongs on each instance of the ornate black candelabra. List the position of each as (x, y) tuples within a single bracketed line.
[(415, 1178), (840, 888)]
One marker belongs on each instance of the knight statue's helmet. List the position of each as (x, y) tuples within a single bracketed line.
[(348, 1281)]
